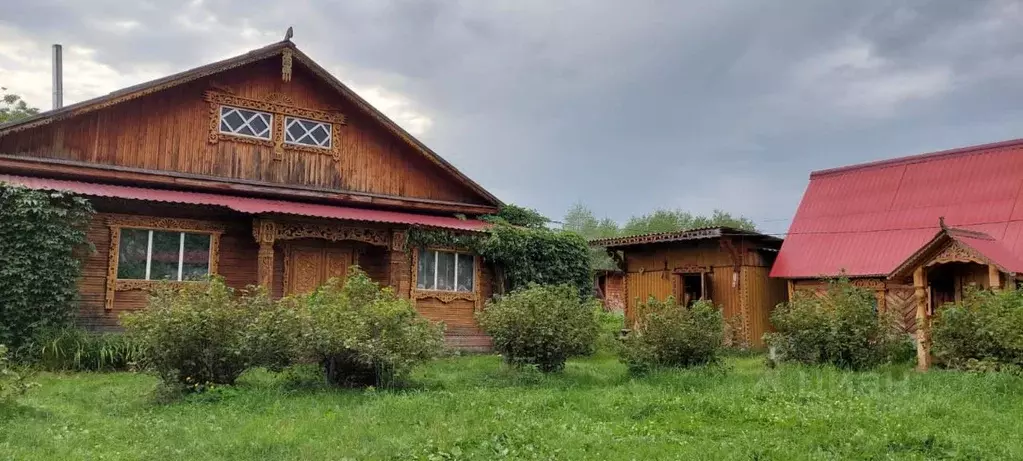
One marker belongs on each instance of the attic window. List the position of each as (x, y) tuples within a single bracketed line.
[(306, 132), (245, 122)]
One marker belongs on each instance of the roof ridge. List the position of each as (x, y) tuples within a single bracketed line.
[(919, 158)]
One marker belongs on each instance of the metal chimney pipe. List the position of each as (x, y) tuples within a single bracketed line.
[(58, 76)]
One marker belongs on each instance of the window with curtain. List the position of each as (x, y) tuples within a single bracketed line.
[(146, 254), (446, 271)]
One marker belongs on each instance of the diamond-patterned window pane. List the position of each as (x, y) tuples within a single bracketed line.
[(244, 122), (307, 132)]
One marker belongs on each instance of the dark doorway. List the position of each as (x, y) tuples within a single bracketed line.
[(693, 289)]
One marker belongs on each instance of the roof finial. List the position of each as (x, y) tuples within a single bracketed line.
[(290, 33), (941, 222)]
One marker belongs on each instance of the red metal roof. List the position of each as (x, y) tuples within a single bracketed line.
[(247, 205), (867, 219)]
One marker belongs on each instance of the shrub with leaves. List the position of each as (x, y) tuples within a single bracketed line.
[(982, 332), (203, 334), (12, 382), (669, 335), (42, 243), (542, 325), (74, 349), (840, 326), (363, 334)]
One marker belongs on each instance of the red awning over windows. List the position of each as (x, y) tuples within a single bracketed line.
[(248, 205)]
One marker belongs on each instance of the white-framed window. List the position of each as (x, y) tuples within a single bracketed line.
[(246, 122), (306, 132), (149, 254), (446, 271)]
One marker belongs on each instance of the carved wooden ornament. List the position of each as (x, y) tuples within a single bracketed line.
[(280, 106), (118, 222)]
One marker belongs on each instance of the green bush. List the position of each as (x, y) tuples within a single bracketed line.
[(669, 335), (840, 327), (363, 334), (42, 243), (983, 332), (542, 325), (610, 333), (74, 349), (199, 335), (12, 382)]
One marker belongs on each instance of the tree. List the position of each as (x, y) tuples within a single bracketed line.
[(581, 220), (12, 107), (663, 220)]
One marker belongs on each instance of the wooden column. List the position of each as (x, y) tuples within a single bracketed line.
[(265, 233), (792, 288), (994, 277), (923, 323), (400, 269)]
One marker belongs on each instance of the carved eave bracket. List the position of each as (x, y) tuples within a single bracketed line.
[(956, 252), (118, 222)]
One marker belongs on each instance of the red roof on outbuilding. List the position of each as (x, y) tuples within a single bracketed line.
[(867, 219), (248, 205)]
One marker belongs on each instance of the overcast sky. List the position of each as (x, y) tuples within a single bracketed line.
[(624, 106)]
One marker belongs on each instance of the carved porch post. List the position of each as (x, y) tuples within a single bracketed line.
[(923, 322), (265, 233), (400, 270)]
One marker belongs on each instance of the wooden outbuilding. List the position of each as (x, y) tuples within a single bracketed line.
[(726, 266), (264, 169), (918, 231)]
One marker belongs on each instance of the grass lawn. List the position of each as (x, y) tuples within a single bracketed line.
[(475, 408)]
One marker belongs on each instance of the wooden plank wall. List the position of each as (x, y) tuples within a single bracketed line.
[(237, 265), (168, 131), (763, 294)]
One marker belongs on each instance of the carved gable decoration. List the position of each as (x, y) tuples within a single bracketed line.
[(280, 106), (956, 252)]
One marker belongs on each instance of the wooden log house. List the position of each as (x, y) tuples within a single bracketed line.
[(726, 266), (264, 169), (918, 231)]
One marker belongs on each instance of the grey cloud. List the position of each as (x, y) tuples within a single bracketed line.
[(631, 107)]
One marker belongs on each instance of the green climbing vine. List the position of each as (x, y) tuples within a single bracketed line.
[(522, 251)]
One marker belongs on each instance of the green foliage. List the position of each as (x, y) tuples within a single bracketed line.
[(542, 325), (982, 332), (669, 335), (364, 334), (12, 382), (839, 327), (74, 349), (521, 255), (42, 243), (519, 216), (195, 336), (538, 256), (581, 220), (611, 325), (13, 108), (674, 220)]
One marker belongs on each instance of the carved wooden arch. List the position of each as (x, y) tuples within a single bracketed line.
[(280, 105), (118, 222), (448, 296)]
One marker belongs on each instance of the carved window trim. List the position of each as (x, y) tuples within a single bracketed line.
[(118, 222), (266, 117), (280, 106), (445, 296), (301, 122)]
